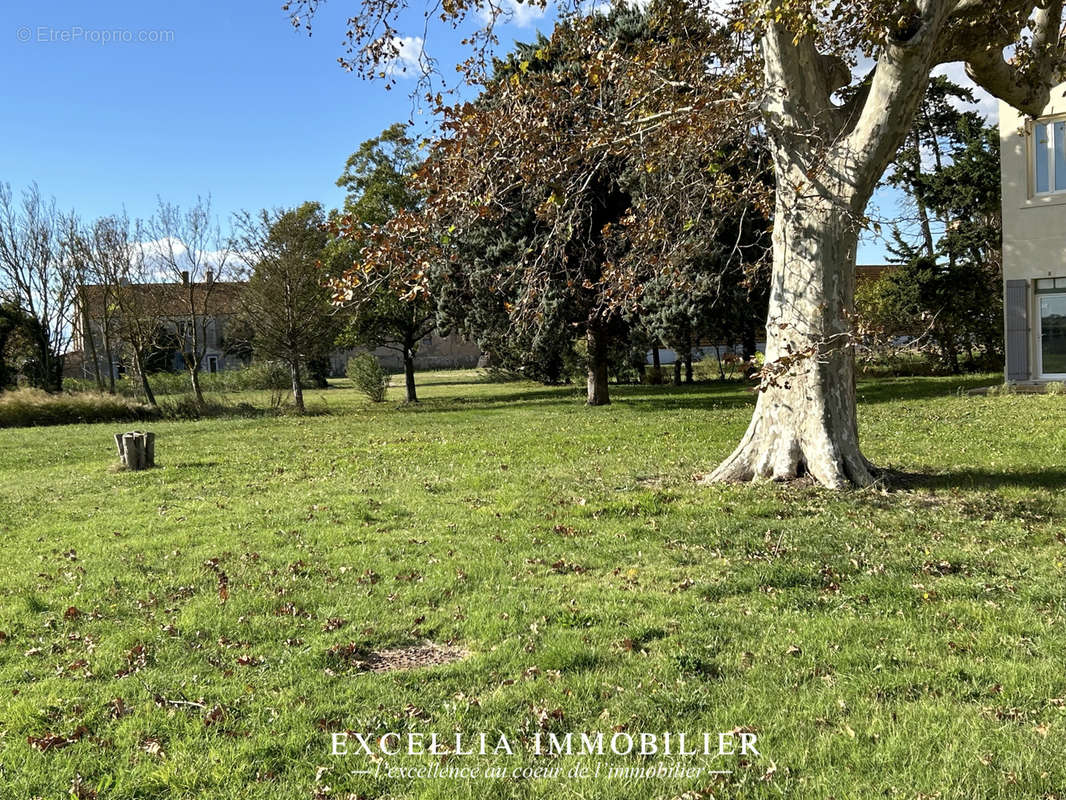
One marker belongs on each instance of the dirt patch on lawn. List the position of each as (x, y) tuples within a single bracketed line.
[(413, 656)]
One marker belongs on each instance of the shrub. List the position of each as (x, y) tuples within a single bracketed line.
[(185, 407), (1055, 387), (26, 407), (653, 376), (369, 376)]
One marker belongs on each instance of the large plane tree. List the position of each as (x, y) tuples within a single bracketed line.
[(840, 85)]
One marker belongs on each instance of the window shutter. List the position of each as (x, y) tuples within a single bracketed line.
[(1016, 305)]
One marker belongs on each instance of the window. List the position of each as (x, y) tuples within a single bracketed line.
[(1049, 156), (1050, 285)]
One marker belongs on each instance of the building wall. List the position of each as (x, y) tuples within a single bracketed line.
[(1034, 228), (215, 331), (434, 352)]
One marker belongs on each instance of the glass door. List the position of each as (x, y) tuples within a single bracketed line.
[(1052, 335)]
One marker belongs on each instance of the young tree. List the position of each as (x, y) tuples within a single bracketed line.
[(934, 134), (829, 154), (40, 274), (192, 252), (385, 308), (286, 303)]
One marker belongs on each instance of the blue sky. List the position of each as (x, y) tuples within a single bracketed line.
[(238, 104), (225, 99)]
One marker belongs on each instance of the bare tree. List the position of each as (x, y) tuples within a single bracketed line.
[(95, 250), (133, 312), (192, 252), (39, 273)]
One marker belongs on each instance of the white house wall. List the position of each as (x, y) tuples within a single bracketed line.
[(1034, 228)]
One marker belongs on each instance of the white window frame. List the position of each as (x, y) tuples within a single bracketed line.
[(1050, 123), (1045, 376)]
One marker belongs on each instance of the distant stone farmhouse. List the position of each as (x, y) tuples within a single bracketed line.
[(223, 350)]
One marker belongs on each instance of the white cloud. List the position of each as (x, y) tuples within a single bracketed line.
[(158, 253), (986, 105), (513, 12), (410, 57)]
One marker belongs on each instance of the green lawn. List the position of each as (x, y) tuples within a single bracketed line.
[(881, 645)]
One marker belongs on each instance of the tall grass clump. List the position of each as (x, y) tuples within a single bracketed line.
[(27, 407), (259, 376)]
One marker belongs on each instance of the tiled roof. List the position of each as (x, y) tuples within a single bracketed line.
[(171, 299), (871, 272)]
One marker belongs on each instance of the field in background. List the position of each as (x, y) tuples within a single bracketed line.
[(197, 630)]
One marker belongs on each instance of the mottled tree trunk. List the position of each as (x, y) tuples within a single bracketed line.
[(596, 338), (146, 387), (805, 423), (827, 162)]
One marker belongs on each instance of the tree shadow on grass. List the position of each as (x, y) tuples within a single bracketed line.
[(708, 396), (1052, 478), (549, 395), (889, 390), (698, 397)]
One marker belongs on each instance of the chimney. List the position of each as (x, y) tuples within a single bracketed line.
[(210, 276), (185, 277)]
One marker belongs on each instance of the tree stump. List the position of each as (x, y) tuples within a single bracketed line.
[(136, 449)]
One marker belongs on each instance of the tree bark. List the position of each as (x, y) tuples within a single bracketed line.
[(297, 387), (656, 376), (110, 361), (146, 387), (194, 378), (677, 369), (596, 338), (805, 423), (923, 211), (409, 372), (90, 338)]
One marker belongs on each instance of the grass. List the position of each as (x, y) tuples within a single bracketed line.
[(27, 407), (171, 629)]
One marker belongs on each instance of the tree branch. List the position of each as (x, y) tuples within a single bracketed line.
[(1025, 81)]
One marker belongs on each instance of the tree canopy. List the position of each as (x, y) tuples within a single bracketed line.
[(286, 302), (835, 85)]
